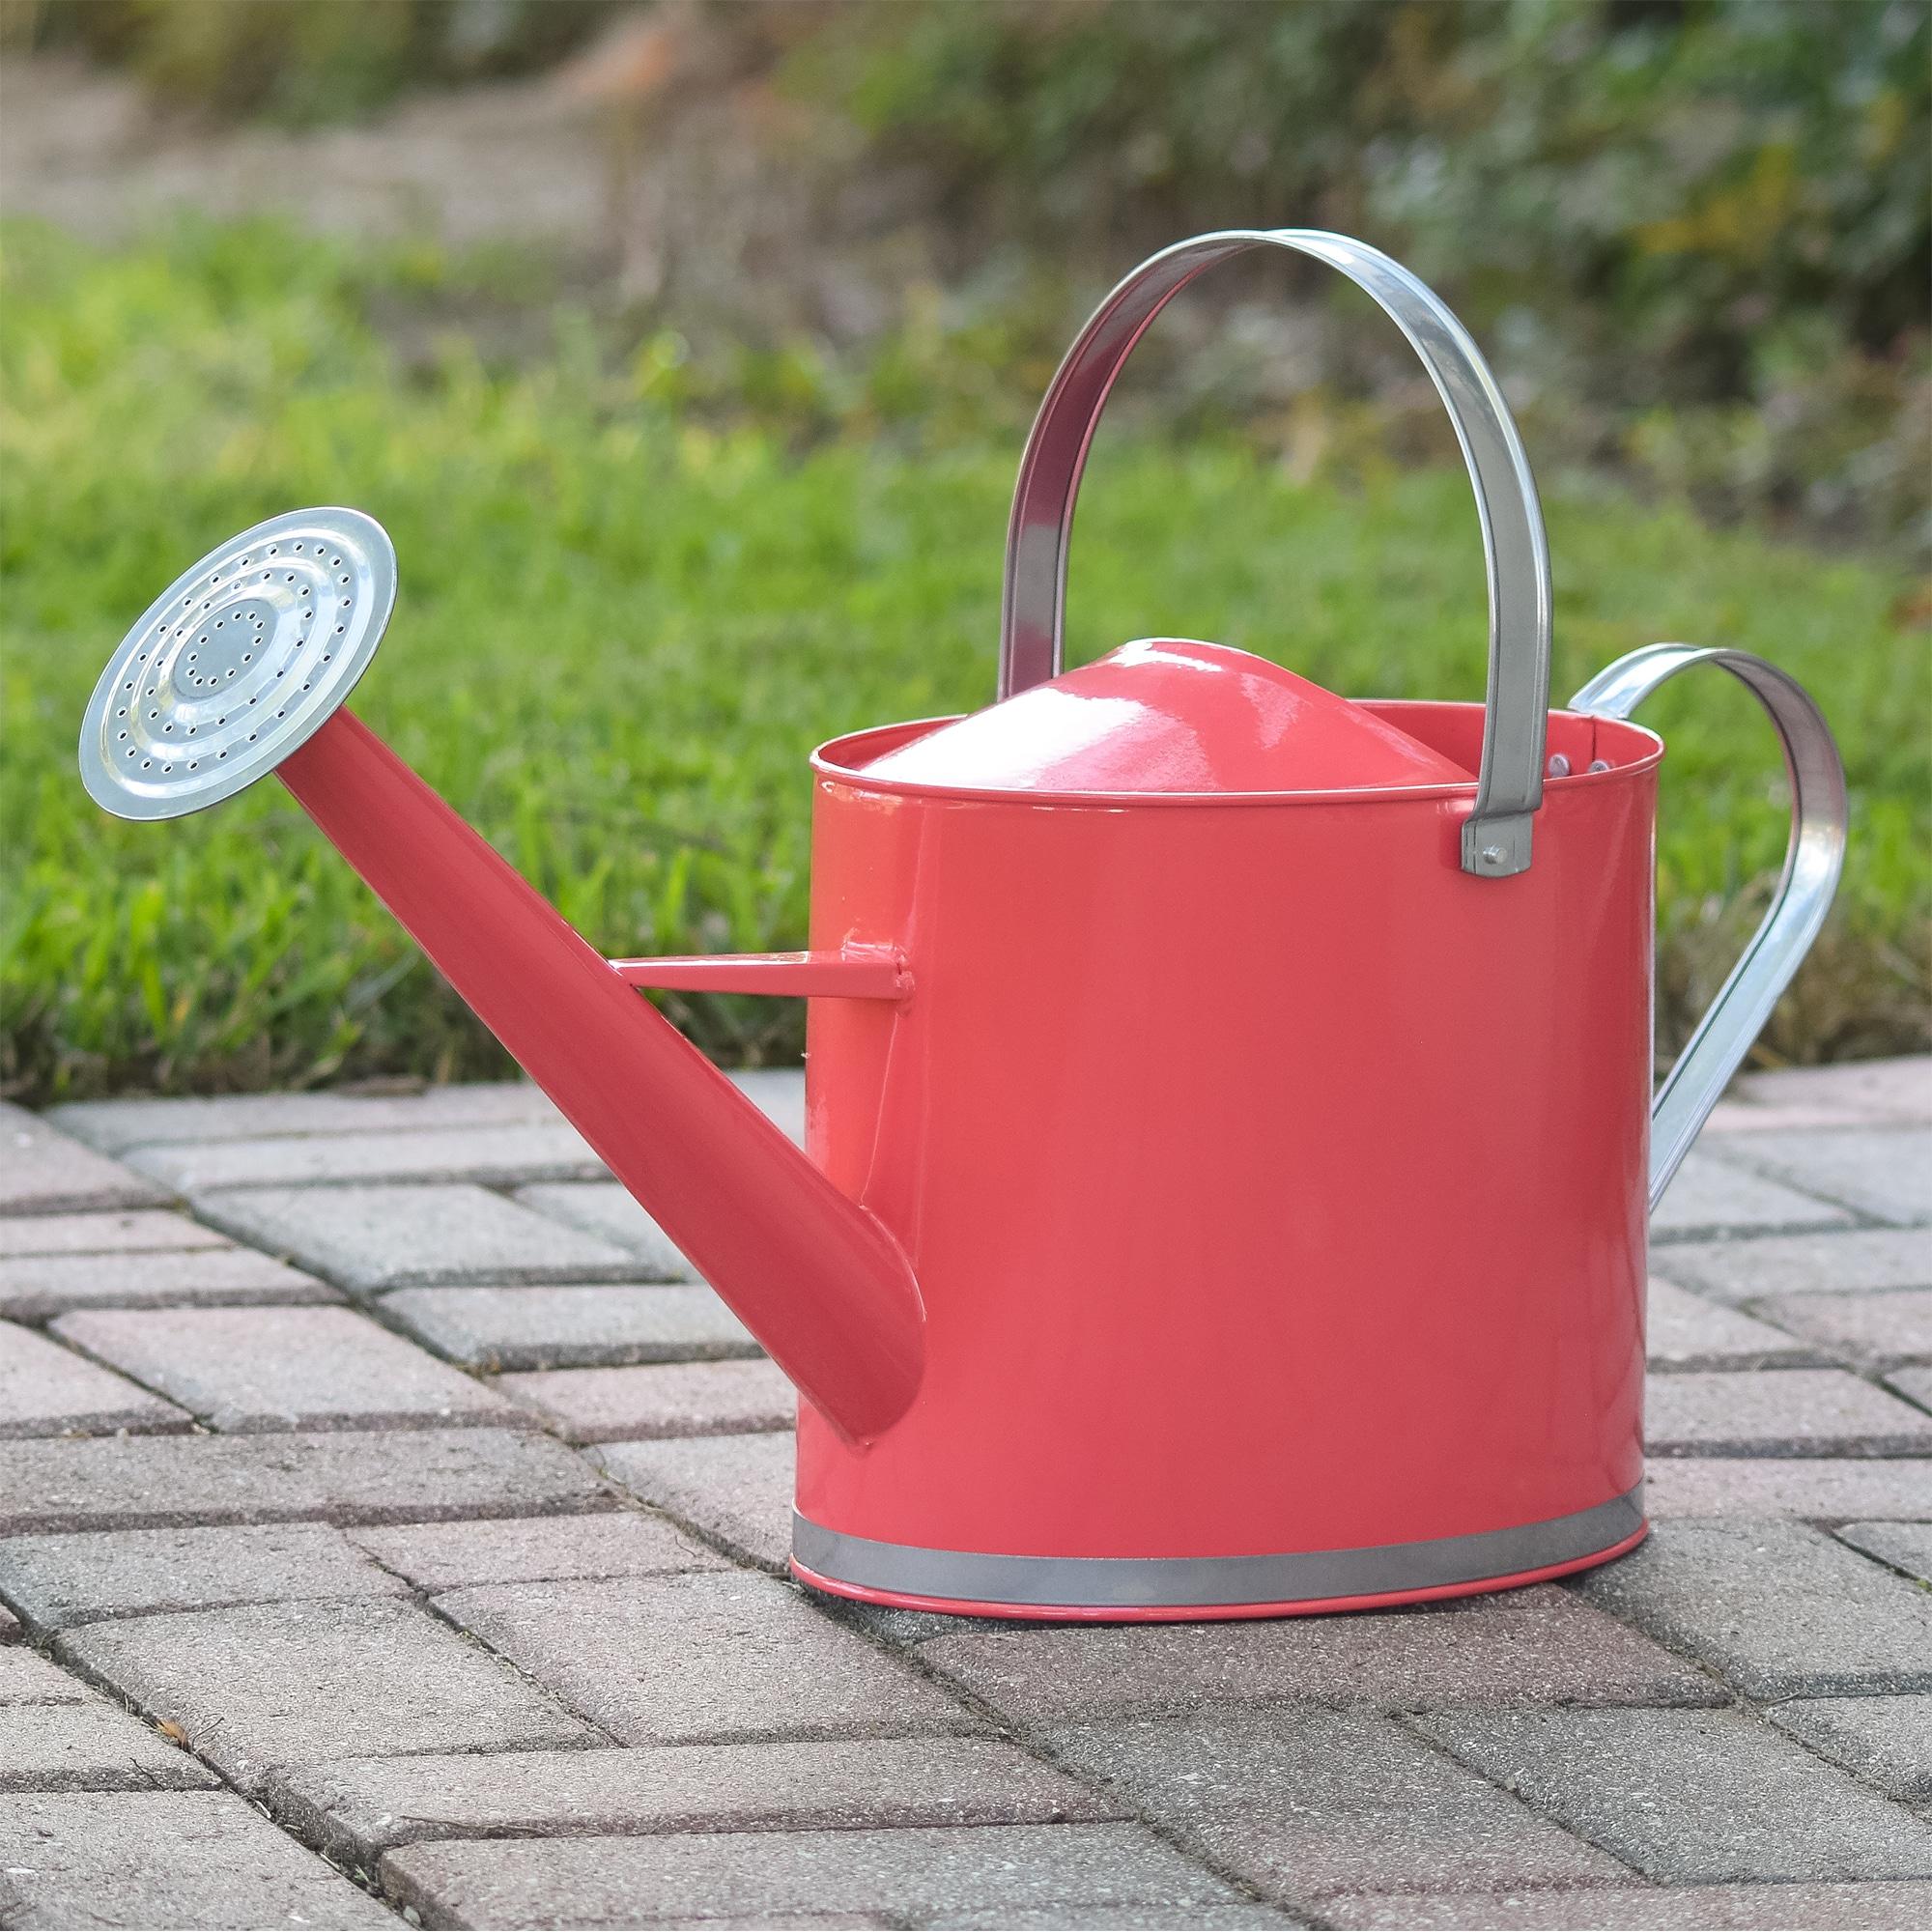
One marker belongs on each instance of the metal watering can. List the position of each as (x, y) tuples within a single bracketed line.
[(1231, 1137)]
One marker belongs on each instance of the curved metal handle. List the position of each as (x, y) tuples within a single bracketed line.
[(1496, 836), (1812, 862)]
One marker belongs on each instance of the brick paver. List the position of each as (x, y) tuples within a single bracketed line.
[(609, 1211), (55, 1581), (659, 1399), (1821, 1488), (1712, 1196), (36, 1288), (918, 1877), (1304, 1802), (736, 1488), (439, 1556), (1850, 1262), (115, 1125), (90, 1746), (714, 1657), (273, 1685), (132, 1230), (1696, 1796), (372, 1239), (1780, 1608), (248, 1369), (494, 1155), (1527, 1646), (1779, 1412), (357, 1808), (26, 1677), (1888, 1740), (205, 1858), (1688, 1331), (1906, 1546), (48, 1391), (1914, 1384), (45, 1171), (504, 1686), (1884, 1171), (129, 1483), (569, 1327), (1858, 1094), (1882, 1907), (1881, 1328)]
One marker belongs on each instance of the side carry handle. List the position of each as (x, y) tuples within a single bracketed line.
[(1812, 862)]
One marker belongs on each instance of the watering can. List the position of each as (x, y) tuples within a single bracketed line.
[(1228, 1126)]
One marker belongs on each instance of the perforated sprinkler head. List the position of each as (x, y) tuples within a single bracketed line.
[(238, 662)]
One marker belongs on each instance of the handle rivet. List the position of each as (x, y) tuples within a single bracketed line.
[(1492, 855)]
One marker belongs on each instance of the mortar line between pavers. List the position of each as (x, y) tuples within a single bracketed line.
[(125, 1701), (1408, 1721), (1016, 1732), (388, 1516), (400, 1422), (1867, 1368), (1748, 1236), (429, 1603), (1866, 1219), (1000, 1724), (94, 1676), (733, 1554), (1833, 1528), (1758, 1707), (1757, 1305), (373, 1305), (1744, 1701), (48, 1210), (82, 1353), (1662, 1888), (1861, 1369)]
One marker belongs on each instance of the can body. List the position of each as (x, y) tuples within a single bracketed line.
[(1276, 1189)]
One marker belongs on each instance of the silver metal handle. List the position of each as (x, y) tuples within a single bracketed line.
[(1496, 836), (1814, 859)]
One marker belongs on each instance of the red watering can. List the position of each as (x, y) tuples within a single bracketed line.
[(1230, 1138)]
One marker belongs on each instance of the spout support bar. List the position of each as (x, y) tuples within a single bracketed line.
[(854, 973), (816, 1278)]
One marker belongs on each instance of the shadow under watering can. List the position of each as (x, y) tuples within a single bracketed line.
[(1230, 1128)]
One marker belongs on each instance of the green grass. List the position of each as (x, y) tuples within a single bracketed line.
[(621, 629)]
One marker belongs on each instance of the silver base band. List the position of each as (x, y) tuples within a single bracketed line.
[(1213, 1582)]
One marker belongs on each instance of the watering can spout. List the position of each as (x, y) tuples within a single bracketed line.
[(813, 1275), (209, 707)]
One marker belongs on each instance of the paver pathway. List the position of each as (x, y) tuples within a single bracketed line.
[(391, 1524)]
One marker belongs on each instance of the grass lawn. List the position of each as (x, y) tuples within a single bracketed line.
[(622, 628)]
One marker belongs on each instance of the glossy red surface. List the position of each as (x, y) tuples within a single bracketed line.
[(1272, 1184), (813, 1275), (1167, 715)]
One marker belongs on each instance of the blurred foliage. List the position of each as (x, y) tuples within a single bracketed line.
[(1695, 235), (1704, 225), (306, 60), (630, 605)]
